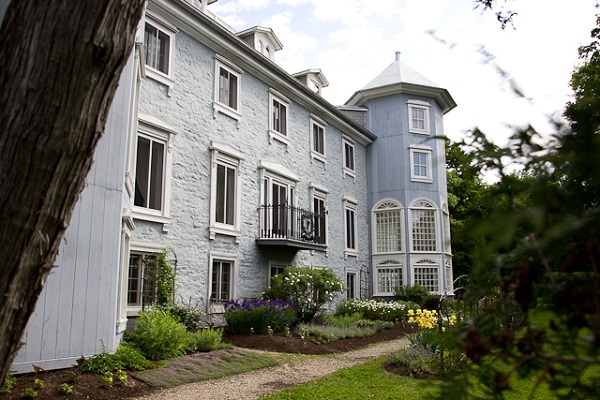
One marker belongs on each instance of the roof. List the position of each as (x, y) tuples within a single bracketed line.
[(267, 31), (400, 78)]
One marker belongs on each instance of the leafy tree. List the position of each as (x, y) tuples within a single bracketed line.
[(61, 62), (546, 248)]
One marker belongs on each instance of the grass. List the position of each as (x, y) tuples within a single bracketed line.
[(366, 381), (203, 366)]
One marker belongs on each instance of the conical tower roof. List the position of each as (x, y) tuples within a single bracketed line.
[(400, 78)]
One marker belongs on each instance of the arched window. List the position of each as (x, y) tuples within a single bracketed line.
[(423, 226), (389, 276), (388, 227)]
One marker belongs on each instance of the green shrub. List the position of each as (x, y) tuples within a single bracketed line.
[(165, 279), (431, 302), (159, 336), (256, 315), (376, 310), (429, 339), (415, 293), (125, 358), (192, 317), (342, 321), (309, 288), (205, 340), (418, 360), (324, 333), (9, 382)]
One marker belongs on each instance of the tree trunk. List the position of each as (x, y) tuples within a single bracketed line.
[(61, 62)]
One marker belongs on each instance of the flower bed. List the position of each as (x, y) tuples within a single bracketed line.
[(396, 311), (256, 316)]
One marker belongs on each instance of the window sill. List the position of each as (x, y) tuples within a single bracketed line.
[(160, 78), (279, 137), (318, 156), (419, 132), (226, 110), (214, 230), (421, 180), (350, 253), (142, 214), (350, 173)]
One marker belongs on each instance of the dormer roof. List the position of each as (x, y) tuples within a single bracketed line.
[(313, 78), (400, 78), (262, 39)]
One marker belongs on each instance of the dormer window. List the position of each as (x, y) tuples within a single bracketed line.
[(313, 79), (263, 40)]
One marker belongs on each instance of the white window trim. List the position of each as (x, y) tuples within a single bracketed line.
[(320, 192), (272, 264), (315, 155), (350, 203), (160, 130), (423, 150), (374, 212), (393, 263), (227, 257), (352, 271), (437, 226), (218, 107), (170, 30), (273, 134), (448, 276), (350, 142), (427, 263), (127, 226), (133, 311), (223, 153), (420, 105)]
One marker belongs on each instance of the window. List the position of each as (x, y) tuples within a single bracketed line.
[(388, 227), (221, 280), (423, 226), (426, 274), (275, 270), (278, 213), (141, 285), (348, 155), (351, 285), (418, 117), (225, 190), (278, 112), (446, 230), (319, 196), (157, 48), (317, 139), (389, 277), (152, 181), (350, 227), (227, 88), (159, 41), (420, 160), (149, 172), (449, 278)]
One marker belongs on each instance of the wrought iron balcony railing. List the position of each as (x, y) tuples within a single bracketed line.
[(285, 225)]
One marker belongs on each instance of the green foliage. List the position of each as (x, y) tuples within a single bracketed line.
[(325, 333), (158, 335), (396, 311), (38, 384), (205, 340), (9, 382), (165, 279), (191, 316), (309, 288), (30, 393), (65, 388), (125, 358), (418, 359), (415, 293)]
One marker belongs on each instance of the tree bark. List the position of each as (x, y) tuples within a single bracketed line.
[(61, 62)]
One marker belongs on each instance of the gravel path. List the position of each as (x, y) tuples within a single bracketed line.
[(253, 384)]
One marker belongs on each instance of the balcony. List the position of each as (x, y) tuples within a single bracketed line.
[(287, 226)]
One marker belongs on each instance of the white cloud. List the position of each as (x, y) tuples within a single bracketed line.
[(236, 6), (293, 3)]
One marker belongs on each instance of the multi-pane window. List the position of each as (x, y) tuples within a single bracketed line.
[(418, 117), (426, 275), (157, 48), (388, 228), (423, 227), (348, 155), (225, 193), (279, 116), (449, 277), (420, 160), (350, 226), (318, 138), (278, 212), (350, 285), (227, 88), (389, 276), (141, 285), (276, 270), (320, 217), (149, 172), (221, 280), (446, 228)]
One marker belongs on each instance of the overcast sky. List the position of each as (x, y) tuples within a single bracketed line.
[(448, 41)]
